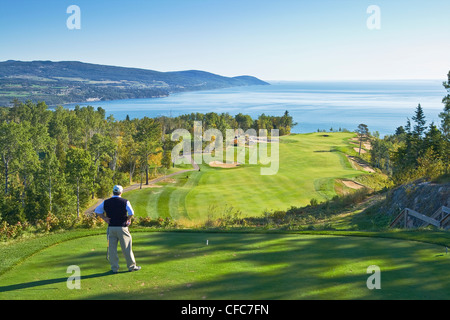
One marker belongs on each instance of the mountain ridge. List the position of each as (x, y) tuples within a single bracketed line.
[(62, 82)]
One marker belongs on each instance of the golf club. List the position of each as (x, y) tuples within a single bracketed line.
[(107, 248)]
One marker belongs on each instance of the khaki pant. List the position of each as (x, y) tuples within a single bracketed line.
[(122, 235)]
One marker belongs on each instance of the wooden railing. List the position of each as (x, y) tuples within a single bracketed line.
[(445, 222), (439, 219)]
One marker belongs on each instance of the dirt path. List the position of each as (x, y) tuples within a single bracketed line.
[(151, 184)]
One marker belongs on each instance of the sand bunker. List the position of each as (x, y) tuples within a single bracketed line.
[(218, 164), (366, 145), (352, 184), (357, 150)]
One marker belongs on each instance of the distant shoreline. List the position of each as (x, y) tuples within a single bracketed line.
[(61, 82), (382, 105)]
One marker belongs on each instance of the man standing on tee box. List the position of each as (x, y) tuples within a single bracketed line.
[(117, 213)]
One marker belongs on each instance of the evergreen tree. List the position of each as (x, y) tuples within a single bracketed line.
[(445, 125), (400, 131), (434, 140), (419, 119)]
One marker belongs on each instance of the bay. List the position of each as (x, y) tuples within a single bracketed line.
[(314, 105)]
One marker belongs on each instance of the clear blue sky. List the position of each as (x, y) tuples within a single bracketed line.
[(273, 40)]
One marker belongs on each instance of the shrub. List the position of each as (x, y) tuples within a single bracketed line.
[(8, 232), (51, 222), (90, 221), (313, 202), (355, 197), (158, 222), (54, 222), (278, 215), (144, 221)]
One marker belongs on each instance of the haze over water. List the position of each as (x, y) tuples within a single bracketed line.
[(382, 105)]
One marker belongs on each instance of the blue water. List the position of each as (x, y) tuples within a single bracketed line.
[(382, 105)]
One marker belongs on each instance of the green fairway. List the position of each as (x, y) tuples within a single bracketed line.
[(308, 167), (180, 265)]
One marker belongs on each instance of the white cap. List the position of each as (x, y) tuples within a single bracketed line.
[(117, 189)]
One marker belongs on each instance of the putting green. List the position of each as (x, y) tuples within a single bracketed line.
[(308, 165), (179, 265)]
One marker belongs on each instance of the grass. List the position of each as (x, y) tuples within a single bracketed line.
[(243, 263), (247, 266), (308, 167), (16, 251)]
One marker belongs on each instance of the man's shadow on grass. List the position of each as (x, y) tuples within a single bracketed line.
[(27, 285)]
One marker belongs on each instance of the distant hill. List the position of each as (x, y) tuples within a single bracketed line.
[(74, 81)]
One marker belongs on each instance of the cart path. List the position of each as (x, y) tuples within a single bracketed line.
[(151, 183)]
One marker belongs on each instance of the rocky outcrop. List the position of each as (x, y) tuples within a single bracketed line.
[(422, 196)]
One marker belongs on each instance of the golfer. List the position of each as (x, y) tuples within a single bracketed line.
[(117, 213)]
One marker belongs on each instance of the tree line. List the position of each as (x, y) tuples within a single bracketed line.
[(54, 162), (418, 149), (226, 121)]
